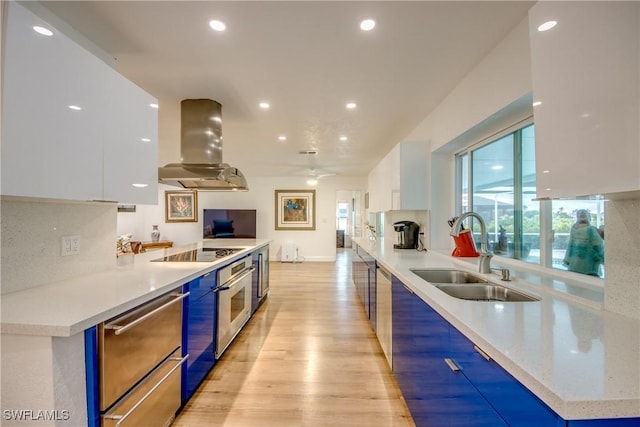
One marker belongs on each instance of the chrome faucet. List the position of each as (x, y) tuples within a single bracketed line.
[(484, 265)]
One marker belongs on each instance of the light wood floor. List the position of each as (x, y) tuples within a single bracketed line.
[(308, 357)]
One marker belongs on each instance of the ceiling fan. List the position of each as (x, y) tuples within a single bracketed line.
[(314, 176)]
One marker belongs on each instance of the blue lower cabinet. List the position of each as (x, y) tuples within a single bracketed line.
[(373, 295), (469, 390), (510, 399), (91, 371), (435, 394), (198, 335)]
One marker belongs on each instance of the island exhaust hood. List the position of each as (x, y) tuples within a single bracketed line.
[(201, 151)]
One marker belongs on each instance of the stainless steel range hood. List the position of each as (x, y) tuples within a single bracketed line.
[(201, 151)]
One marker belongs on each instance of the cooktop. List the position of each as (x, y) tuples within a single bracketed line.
[(198, 255)]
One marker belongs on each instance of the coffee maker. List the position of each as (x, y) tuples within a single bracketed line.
[(406, 234)]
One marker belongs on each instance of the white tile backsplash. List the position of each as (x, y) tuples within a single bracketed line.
[(32, 230)]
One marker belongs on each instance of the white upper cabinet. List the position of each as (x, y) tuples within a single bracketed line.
[(399, 181), (65, 118), (586, 79), (130, 149)]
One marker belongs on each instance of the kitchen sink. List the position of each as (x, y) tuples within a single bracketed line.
[(447, 276), (464, 285), (484, 292)]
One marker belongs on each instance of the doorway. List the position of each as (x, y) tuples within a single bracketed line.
[(348, 217)]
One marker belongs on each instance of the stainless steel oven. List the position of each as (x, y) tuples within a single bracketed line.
[(234, 301), (139, 357)]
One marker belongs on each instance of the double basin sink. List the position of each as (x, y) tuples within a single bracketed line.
[(464, 285)]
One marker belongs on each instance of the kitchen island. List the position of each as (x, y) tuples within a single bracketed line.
[(578, 359), (43, 349)]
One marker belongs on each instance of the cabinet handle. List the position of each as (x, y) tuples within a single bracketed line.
[(482, 353), (206, 274), (122, 418), (120, 329), (238, 279), (451, 364)]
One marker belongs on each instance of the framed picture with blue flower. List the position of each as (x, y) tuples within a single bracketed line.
[(295, 209)]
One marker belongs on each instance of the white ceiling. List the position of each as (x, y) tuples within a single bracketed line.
[(307, 59)]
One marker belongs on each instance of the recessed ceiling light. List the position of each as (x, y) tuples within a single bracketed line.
[(343, 138), (535, 104), (153, 106), (547, 26), (74, 107), (217, 25), (140, 185), (282, 138), (351, 105), (42, 30), (264, 105), (367, 25), (145, 140), (312, 181)]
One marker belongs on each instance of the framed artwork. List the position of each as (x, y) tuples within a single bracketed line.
[(295, 209), (181, 206)]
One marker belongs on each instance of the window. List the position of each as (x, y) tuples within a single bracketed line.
[(502, 181), (342, 217)]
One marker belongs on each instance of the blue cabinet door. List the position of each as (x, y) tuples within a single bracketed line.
[(510, 399), (373, 296), (360, 278), (199, 333), (435, 394)]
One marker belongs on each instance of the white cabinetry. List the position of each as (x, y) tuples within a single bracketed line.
[(399, 181), (586, 75), (130, 144), (50, 150)]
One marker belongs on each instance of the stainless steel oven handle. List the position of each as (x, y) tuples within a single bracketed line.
[(232, 283), (122, 418), (120, 329)]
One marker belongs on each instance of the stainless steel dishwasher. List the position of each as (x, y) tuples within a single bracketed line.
[(139, 359), (383, 311)]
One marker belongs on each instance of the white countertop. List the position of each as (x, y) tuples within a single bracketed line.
[(582, 361), (68, 307)]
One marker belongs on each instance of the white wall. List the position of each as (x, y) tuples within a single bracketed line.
[(318, 245), (500, 79)]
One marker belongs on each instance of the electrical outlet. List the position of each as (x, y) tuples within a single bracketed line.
[(70, 245)]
